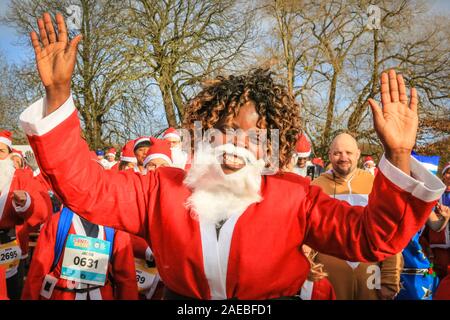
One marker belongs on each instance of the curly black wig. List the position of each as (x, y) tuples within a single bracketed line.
[(221, 99)]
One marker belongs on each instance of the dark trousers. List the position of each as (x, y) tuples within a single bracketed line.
[(14, 284)]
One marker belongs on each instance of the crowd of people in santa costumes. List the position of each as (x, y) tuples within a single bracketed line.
[(167, 221), (23, 202)]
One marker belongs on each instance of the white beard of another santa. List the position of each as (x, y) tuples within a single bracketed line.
[(217, 196), (6, 172), (371, 170), (179, 157)]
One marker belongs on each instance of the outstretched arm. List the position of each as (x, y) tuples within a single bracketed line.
[(403, 194), (108, 198)]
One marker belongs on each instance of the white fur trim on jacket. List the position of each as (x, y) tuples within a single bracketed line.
[(25, 207), (422, 184), (33, 121)]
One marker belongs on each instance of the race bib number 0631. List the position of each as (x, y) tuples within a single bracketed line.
[(85, 260)]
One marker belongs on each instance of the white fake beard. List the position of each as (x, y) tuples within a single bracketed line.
[(179, 157), (6, 172), (217, 196), (371, 170)]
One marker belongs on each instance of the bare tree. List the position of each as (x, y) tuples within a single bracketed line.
[(181, 42), (331, 61), (104, 73)]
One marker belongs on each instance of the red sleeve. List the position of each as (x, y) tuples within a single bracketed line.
[(140, 246), (42, 260), (23, 236), (443, 290), (323, 290), (124, 273), (105, 197), (3, 290), (372, 233)]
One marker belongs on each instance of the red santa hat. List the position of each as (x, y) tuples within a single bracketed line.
[(302, 147), (158, 149), (171, 133), (140, 140), (127, 152), (446, 167), (368, 159), (6, 138), (318, 161), (111, 152)]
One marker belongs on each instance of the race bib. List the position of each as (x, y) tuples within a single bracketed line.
[(85, 260), (10, 255), (145, 276)]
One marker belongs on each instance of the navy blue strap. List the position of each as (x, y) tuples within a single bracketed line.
[(65, 220), (109, 235)]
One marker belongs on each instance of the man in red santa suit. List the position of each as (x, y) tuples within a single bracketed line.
[(17, 158), (46, 280), (301, 156), (437, 233), (127, 157), (140, 149), (180, 157), (22, 202), (111, 160), (223, 230), (369, 165), (148, 279)]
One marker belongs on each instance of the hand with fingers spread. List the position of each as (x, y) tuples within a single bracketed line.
[(396, 123), (55, 59)]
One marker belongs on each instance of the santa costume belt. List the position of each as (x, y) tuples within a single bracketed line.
[(172, 295), (84, 290), (7, 235), (414, 271)]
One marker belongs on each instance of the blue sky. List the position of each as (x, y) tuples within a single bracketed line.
[(16, 53)]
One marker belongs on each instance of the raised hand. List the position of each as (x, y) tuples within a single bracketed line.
[(396, 124), (30, 159), (55, 59)]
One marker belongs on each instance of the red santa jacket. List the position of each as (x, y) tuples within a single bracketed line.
[(257, 254), (35, 211), (443, 290), (121, 283), (439, 239), (318, 290), (3, 290), (141, 250)]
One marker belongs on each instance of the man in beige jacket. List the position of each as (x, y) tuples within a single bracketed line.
[(354, 280)]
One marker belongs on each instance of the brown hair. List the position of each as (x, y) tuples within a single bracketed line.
[(221, 99)]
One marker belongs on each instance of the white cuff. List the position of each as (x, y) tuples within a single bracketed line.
[(33, 121), (25, 207), (427, 187), (36, 172), (148, 254)]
